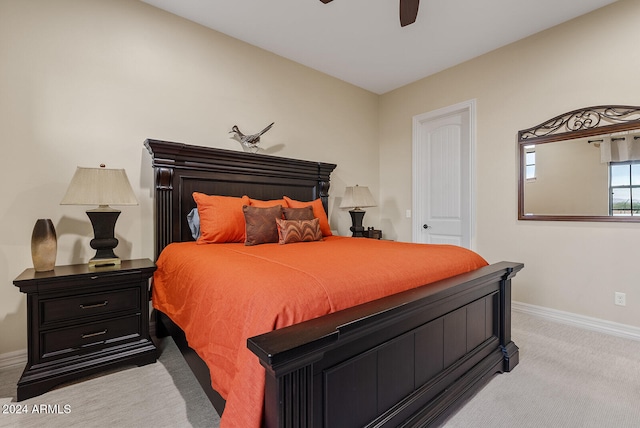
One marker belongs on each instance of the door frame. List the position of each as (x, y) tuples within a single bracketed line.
[(469, 107)]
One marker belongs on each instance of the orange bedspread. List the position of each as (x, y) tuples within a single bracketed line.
[(222, 294)]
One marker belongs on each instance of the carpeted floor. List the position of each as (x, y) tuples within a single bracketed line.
[(567, 377), (159, 395)]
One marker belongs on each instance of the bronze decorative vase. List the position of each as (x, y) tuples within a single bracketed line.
[(44, 245)]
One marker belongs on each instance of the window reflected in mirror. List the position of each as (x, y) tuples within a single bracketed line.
[(530, 162), (624, 188)]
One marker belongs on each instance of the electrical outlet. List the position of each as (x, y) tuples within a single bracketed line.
[(620, 299)]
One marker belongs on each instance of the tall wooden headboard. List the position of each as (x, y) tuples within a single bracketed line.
[(181, 169)]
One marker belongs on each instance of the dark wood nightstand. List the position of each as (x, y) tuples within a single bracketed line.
[(83, 320)]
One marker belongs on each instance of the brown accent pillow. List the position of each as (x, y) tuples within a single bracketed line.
[(260, 224), (305, 213), (291, 231)]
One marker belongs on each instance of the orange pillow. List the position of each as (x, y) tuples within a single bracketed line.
[(318, 212), (221, 218), (267, 204)]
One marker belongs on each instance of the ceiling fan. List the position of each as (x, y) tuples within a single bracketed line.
[(408, 11)]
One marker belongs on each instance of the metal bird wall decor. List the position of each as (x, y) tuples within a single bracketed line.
[(249, 142), (408, 11)]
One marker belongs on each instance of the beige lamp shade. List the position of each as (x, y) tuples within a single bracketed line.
[(357, 197), (99, 186)]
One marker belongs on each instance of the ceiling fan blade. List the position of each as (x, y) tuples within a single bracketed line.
[(408, 11)]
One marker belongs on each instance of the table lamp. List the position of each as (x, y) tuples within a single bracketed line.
[(357, 197), (103, 187)]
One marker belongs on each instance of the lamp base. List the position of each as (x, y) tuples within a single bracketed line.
[(103, 220), (356, 221), (94, 263)]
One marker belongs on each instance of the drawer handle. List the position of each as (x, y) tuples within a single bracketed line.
[(94, 305), (97, 333)]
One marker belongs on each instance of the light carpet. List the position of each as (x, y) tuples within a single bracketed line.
[(164, 394), (567, 377)]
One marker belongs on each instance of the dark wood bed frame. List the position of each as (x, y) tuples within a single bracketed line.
[(410, 359)]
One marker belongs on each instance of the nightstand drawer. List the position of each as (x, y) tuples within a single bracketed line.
[(86, 305), (90, 335)]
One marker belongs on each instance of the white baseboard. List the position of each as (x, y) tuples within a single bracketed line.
[(11, 359), (581, 321)]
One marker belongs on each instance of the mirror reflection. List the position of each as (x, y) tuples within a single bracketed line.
[(582, 166), (596, 176)]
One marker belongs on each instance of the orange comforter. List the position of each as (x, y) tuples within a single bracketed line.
[(222, 294)]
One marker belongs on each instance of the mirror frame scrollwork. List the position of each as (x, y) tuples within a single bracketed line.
[(580, 123)]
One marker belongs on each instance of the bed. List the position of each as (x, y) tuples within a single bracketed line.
[(407, 359)]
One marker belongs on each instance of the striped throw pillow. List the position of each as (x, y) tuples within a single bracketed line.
[(290, 231)]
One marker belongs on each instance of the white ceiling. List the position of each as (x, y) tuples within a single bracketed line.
[(361, 41)]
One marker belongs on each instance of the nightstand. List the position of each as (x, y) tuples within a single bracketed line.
[(83, 320)]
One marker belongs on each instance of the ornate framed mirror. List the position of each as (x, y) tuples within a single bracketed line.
[(583, 165)]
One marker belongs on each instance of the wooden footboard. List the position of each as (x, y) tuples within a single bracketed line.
[(406, 360)]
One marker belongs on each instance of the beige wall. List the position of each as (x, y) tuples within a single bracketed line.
[(589, 61), (570, 180), (85, 82)]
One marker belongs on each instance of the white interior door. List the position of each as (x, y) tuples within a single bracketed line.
[(443, 153)]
